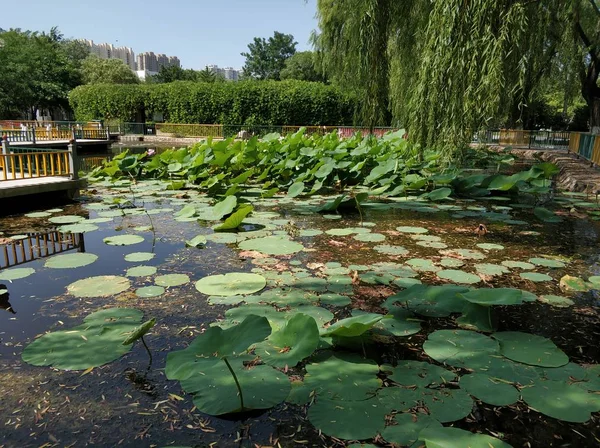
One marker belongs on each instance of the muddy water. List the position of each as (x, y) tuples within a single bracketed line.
[(127, 404)]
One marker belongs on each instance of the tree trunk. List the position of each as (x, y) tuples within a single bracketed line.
[(595, 114)]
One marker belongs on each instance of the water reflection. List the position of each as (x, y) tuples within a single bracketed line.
[(4, 303), (33, 246)]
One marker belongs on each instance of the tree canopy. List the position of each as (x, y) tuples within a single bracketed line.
[(302, 66), (112, 71), (266, 58), (446, 68)]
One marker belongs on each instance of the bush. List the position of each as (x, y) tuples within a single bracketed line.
[(265, 103)]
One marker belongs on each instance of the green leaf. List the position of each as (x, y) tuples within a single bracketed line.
[(489, 390), (235, 220), (231, 284), (352, 326), (140, 331), (458, 438), (199, 240), (296, 189), (530, 349), (100, 286)]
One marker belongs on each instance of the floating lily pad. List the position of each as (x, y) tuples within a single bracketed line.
[(370, 237), (339, 232), (310, 232), (81, 227), (518, 264), (530, 349), (458, 438), (407, 428), (535, 277), (297, 340), (234, 283), (457, 276), (16, 274), (70, 261), (123, 240), (141, 271), (223, 238), (422, 265), (272, 245), (353, 326), (38, 215), (431, 301), (489, 390), (432, 244), (452, 262), (199, 240), (66, 219), (465, 254), (150, 291), (490, 246), (458, 347), (138, 257), (557, 301), (419, 374), (408, 229), (171, 280), (101, 286), (494, 296), (546, 262), (562, 401), (570, 283), (97, 341), (491, 269), (447, 405), (334, 299), (397, 323)]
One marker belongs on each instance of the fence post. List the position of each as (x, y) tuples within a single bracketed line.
[(5, 145), (33, 134), (73, 160)]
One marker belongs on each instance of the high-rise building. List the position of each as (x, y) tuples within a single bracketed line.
[(151, 62), (229, 73), (109, 51)]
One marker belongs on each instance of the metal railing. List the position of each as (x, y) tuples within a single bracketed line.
[(39, 245), (34, 135), (33, 163), (524, 138), (585, 145)]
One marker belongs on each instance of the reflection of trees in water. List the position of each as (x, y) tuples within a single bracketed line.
[(4, 303)]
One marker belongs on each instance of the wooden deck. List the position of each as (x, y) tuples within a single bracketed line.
[(37, 185)]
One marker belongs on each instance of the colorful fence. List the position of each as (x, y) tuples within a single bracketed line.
[(585, 145), (52, 132), (523, 138), (29, 163)]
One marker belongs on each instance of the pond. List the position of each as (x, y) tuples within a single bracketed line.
[(327, 266)]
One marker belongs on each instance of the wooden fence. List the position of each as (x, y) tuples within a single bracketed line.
[(38, 245), (28, 163), (585, 145)]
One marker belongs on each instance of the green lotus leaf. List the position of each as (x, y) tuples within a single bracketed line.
[(497, 366), (447, 405), (295, 190), (422, 265), (150, 291), (530, 349), (489, 390), (353, 420), (110, 214), (16, 274), (223, 238), (140, 331), (141, 271), (408, 229), (284, 297), (457, 276), (370, 237), (352, 326), (407, 428), (70, 261), (458, 438), (276, 318), (334, 299), (235, 219), (231, 284), (546, 262), (38, 215), (459, 347), (171, 280), (490, 246), (577, 284), (272, 245), (546, 215), (438, 194), (397, 323), (518, 264), (561, 400), (491, 269), (138, 257), (477, 317), (297, 340), (97, 341), (567, 373), (78, 228), (452, 262), (199, 240), (391, 250), (220, 209), (101, 286), (123, 240), (186, 212), (430, 301), (465, 254), (557, 301), (535, 277), (310, 232), (66, 219), (419, 374), (339, 232), (494, 296), (231, 300), (432, 244)]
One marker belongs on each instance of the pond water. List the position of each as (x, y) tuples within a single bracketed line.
[(351, 261)]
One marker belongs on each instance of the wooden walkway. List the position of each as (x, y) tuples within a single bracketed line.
[(37, 185)]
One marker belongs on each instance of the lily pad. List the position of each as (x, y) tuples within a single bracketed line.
[(452, 262), (138, 257), (557, 301), (458, 438), (97, 341), (458, 347), (447, 405), (141, 271), (408, 229), (561, 400), (422, 265), (419, 374), (457, 276), (38, 214), (430, 301), (66, 219), (535, 277), (547, 262), (494, 296), (234, 283), (370, 237), (290, 345), (199, 240), (150, 291), (272, 245), (353, 326), (171, 280), (407, 428), (123, 240), (16, 274), (334, 299), (570, 283), (101, 286), (530, 349), (489, 390), (81, 227), (490, 246), (397, 323), (491, 269), (518, 264), (464, 254), (70, 261)]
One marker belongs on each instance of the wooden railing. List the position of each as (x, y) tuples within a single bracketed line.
[(35, 163), (524, 138), (35, 135), (38, 245), (585, 145)]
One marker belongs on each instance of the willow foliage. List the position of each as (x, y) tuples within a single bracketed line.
[(442, 68)]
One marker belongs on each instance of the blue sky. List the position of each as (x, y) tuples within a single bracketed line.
[(199, 32)]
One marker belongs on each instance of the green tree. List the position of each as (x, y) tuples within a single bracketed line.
[(266, 57), (175, 73), (110, 71), (37, 72), (445, 68), (302, 66), (207, 75)]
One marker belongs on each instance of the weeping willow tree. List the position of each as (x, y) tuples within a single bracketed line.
[(446, 68)]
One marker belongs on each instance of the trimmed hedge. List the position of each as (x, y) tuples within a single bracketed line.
[(247, 102)]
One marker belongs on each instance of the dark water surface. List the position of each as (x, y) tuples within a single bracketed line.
[(121, 404)]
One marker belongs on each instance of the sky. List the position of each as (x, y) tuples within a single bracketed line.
[(199, 32)]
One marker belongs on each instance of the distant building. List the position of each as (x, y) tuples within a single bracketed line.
[(109, 51), (151, 62), (229, 73)]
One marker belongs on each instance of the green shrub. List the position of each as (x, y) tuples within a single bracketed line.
[(264, 103)]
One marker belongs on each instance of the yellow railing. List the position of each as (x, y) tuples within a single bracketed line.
[(38, 245), (29, 165), (514, 137), (585, 145)]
